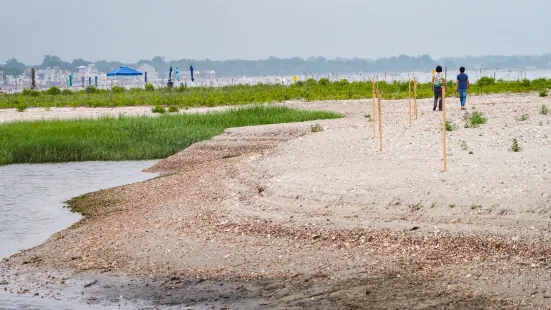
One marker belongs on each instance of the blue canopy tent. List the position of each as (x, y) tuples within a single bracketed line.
[(124, 71)]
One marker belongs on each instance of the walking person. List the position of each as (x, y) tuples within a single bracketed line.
[(462, 87), (438, 81)]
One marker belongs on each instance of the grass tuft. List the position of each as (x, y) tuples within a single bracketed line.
[(450, 126), (464, 145), (523, 117), (158, 109), (473, 120), (316, 127), (544, 110), (515, 147)]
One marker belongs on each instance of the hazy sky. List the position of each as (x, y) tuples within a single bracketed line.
[(129, 30)]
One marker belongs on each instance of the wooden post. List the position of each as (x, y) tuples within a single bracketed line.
[(374, 111), (380, 120), (444, 134), (409, 100), (415, 96)]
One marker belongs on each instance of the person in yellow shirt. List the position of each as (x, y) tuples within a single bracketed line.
[(438, 81)]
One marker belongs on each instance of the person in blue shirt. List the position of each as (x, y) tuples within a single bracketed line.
[(462, 86)]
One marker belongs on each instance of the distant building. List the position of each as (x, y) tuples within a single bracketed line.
[(92, 71), (152, 74), (51, 76), (89, 72), (77, 76), (82, 70)]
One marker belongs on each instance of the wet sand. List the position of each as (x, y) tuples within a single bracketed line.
[(277, 216)]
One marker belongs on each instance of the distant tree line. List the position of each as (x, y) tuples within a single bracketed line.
[(297, 65)]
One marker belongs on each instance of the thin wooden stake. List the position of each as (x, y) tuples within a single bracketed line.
[(378, 90), (444, 134), (409, 100), (380, 120), (374, 111), (415, 96)]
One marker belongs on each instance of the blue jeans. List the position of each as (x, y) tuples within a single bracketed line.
[(463, 97)]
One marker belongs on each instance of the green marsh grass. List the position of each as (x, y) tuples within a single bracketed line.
[(308, 90), (131, 138)]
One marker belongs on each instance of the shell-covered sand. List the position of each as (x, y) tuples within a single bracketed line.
[(279, 216)]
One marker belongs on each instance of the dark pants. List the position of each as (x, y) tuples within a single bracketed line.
[(437, 95)]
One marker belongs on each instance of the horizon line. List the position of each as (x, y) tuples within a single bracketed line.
[(293, 57)]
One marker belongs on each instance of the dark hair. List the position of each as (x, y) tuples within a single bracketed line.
[(462, 69), (438, 68)]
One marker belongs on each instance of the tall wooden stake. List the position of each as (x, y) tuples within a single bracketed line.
[(415, 96), (409, 100), (374, 111), (380, 120), (444, 134)]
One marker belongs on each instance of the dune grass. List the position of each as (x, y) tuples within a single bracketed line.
[(131, 138), (308, 90)]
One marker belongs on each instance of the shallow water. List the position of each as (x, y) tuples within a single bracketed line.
[(32, 208)]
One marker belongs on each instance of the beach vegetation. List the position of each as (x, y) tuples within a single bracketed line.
[(473, 120), (316, 128), (53, 91), (241, 94), (66, 92), (515, 147), (132, 138), (21, 108), (91, 90), (119, 89), (523, 117), (158, 109), (544, 110), (450, 126), (464, 145)]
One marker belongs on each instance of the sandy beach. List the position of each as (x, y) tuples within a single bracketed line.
[(35, 114), (280, 217)]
